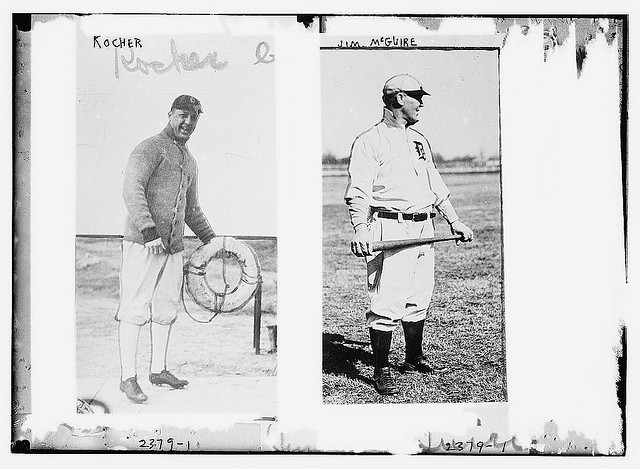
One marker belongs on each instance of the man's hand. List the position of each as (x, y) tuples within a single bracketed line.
[(361, 241), (459, 228), (155, 247)]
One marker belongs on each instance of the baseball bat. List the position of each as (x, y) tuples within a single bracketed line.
[(406, 243)]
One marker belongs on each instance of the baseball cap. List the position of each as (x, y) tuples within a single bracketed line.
[(403, 82), (187, 103)]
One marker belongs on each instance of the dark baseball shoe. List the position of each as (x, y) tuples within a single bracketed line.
[(132, 390), (383, 382), (421, 365), (166, 377)]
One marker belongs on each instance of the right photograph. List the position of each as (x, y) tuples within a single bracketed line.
[(413, 291)]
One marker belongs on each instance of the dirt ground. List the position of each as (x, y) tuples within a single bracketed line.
[(220, 348)]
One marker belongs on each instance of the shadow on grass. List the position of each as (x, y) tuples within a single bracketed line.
[(340, 356)]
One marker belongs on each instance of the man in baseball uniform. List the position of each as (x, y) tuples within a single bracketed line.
[(160, 192), (393, 190)]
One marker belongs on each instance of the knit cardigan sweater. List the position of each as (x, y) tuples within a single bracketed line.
[(160, 192)]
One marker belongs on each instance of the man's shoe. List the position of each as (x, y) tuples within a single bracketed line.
[(132, 389), (166, 377), (421, 365), (383, 382)]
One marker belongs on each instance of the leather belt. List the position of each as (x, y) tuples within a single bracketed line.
[(405, 216)]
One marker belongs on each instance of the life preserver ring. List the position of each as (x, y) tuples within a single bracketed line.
[(232, 297)]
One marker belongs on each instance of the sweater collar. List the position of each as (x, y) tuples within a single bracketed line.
[(389, 119)]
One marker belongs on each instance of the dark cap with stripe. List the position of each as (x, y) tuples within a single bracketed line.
[(187, 103)]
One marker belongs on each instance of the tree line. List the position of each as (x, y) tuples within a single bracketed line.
[(330, 158)]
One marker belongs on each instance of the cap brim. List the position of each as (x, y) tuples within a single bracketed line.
[(420, 92)]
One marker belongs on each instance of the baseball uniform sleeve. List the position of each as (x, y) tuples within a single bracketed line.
[(362, 172), (141, 165), (447, 211), (194, 216)]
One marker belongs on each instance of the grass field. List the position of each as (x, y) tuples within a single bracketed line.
[(464, 327), (222, 347)]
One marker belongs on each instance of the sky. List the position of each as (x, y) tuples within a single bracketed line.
[(460, 117)]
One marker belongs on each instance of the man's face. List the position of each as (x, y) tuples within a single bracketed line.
[(411, 105), (183, 122)]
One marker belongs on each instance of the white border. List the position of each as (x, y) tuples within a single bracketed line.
[(546, 6)]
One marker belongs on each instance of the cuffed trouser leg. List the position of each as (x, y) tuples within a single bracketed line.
[(150, 285), (400, 282), (422, 286), (166, 301)]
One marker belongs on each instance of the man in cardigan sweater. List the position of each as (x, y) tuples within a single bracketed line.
[(160, 192)]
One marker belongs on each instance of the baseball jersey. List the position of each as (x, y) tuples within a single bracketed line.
[(391, 168)]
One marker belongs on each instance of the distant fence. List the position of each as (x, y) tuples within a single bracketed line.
[(333, 170)]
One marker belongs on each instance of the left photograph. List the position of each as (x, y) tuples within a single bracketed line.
[(176, 248)]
